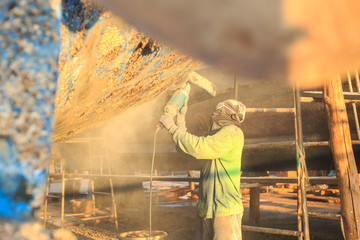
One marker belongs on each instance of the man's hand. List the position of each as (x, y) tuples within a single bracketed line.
[(180, 120), (168, 122)]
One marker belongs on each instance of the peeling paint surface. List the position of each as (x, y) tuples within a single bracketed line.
[(106, 67), (29, 49)]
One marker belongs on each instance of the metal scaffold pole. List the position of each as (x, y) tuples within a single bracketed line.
[(303, 220)]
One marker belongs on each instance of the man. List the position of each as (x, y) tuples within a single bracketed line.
[(220, 205)]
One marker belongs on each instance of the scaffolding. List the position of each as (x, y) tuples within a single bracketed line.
[(96, 164), (253, 183), (301, 180)]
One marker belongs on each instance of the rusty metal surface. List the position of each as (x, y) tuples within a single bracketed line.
[(106, 67)]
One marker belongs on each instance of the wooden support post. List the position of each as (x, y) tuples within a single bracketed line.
[(354, 107), (346, 170), (46, 195), (191, 184), (62, 192), (254, 218), (236, 87), (107, 155)]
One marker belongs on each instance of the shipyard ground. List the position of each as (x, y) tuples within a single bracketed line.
[(179, 219)]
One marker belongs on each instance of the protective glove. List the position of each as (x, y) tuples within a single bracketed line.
[(168, 122), (180, 118)]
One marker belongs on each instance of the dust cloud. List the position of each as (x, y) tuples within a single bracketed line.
[(121, 146)]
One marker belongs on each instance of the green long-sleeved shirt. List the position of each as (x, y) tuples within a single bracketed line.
[(219, 193)]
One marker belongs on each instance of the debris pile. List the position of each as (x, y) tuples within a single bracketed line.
[(32, 231)]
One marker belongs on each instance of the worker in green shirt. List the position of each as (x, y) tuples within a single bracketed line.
[(220, 205)]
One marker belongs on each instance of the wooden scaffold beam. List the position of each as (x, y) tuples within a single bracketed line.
[(346, 170)]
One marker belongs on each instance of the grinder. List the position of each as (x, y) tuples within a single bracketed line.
[(177, 100), (179, 97)]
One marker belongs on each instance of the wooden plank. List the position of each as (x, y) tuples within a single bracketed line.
[(344, 160), (255, 180), (271, 230), (319, 95), (266, 110)]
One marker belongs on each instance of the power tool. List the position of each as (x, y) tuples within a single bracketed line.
[(179, 97), (177, 100)]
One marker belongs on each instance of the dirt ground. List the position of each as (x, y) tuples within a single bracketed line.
[(180, 222)]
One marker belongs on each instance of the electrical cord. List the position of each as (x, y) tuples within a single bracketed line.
[(151, 177)]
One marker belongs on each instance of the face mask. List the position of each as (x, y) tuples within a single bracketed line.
[(227, 113)]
